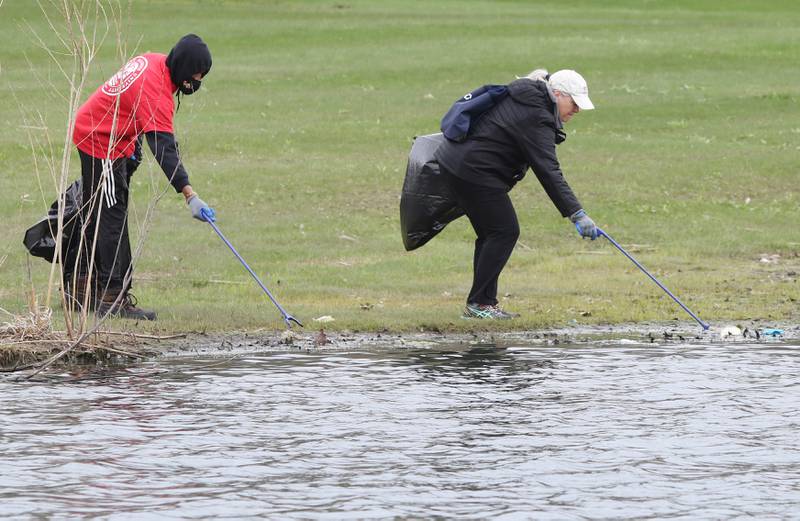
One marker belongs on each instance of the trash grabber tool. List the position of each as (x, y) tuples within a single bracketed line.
[(286, 316), (612, 241)]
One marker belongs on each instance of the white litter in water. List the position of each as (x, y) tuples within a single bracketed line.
[(729, 331)]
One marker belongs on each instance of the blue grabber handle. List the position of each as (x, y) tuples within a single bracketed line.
[(668, 292), (287, 318)]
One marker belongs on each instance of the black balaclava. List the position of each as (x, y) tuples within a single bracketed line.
[(189, 56)]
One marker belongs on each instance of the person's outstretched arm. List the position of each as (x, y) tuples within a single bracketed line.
[(165, 150)]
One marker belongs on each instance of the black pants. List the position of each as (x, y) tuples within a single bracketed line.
[(105, 210), (495, 222)]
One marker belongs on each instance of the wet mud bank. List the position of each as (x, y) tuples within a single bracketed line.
[(123, 348), (623, 334)]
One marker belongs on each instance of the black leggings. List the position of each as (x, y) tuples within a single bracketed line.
[(495, 222)]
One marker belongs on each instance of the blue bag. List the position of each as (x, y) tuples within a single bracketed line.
[(467, 109)]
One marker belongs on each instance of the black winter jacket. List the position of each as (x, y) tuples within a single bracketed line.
[(519, 132)]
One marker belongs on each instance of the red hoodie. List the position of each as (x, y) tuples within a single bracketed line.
[(137, 99)]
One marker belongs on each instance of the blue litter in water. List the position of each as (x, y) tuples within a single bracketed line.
[(772, 332)]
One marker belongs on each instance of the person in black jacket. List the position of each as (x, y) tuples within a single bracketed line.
[(518, 133)]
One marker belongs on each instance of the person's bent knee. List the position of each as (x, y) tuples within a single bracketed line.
[(507, 233)]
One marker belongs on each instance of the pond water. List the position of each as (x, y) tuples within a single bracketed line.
[(605, 431)]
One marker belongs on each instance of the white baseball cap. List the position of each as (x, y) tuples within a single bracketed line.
[(572, 83)]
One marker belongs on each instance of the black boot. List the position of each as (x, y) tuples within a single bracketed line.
[(125, 308)]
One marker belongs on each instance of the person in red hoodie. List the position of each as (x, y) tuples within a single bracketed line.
[(138, 101)]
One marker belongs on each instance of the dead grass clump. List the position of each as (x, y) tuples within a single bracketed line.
[(29, 342), (36, 325), (28, 339)]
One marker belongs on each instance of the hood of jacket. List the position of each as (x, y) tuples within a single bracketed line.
[(535, 94)]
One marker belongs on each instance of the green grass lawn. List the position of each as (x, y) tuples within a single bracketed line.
[(300, 135)]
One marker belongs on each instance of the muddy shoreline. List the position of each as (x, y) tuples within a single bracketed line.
[(123, 348), (626, 334)]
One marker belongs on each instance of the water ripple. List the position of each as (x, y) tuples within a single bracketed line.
[(574, 432)]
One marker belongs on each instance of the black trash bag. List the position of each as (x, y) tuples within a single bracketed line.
[(40, 239), (426, 205)]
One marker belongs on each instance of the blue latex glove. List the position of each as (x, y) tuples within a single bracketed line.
[(200, 210), (584, 224)]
